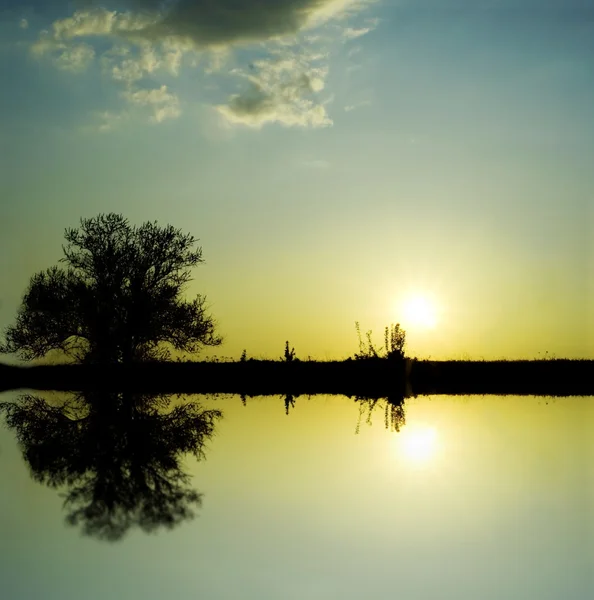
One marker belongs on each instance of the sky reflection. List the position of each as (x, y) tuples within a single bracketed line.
[(301, 506)]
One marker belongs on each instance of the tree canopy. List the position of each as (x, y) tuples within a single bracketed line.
[(116, 297)]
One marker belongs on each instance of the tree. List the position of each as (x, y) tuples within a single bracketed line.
[(118, 299)]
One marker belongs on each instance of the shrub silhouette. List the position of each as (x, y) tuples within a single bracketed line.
[(394, 342), (289, 355)]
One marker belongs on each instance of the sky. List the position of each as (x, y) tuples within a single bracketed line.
[(424, 162)]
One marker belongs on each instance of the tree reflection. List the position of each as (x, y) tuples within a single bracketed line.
[(394, 415), (393, 405), (118, 455)]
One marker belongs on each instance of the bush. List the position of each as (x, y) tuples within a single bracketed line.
[(394, 342)]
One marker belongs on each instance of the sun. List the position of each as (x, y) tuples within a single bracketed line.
[(419, 311)]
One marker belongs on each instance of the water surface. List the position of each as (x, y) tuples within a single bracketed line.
[(474, 497)]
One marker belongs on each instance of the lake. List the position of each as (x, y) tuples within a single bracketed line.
[(473, 498)]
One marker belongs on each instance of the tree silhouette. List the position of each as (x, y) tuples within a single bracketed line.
[(117, 300), (118, 456)]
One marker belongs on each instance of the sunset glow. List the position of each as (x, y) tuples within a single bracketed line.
[(339, 161), (419, 311)]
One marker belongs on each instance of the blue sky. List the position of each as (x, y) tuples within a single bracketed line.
[(336, 159)]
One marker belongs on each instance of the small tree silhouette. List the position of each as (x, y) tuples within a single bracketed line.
[(289, 355), (118, 299)]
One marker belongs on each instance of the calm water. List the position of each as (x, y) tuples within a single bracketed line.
[(475, 498)]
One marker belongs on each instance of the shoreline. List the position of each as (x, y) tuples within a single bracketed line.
[(374, 377)]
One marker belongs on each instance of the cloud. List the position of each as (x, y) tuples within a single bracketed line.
[(350, 33), (75, 58), (152, 38), (102, 22), (46, 45), (128, 65), (164, 104), (284, 90), (351, 107), (109, 120), (23, 23), (205, 24), (232, 22)]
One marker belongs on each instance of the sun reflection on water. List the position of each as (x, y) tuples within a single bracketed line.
[(417, 444)]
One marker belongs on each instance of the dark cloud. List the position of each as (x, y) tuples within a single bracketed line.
[(210, 22), (221, 22)]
